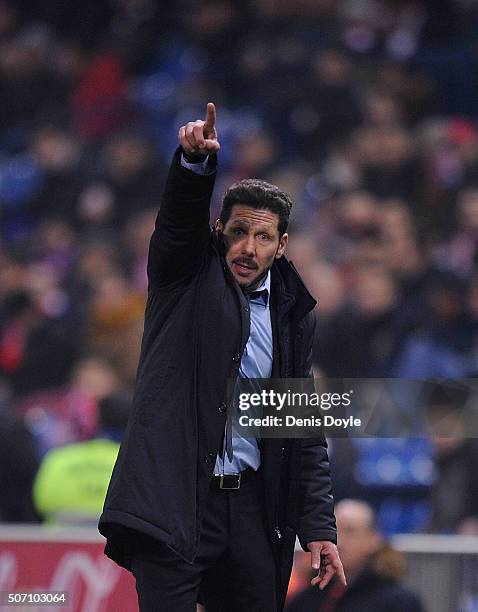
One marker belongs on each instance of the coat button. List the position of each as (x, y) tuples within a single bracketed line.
[(222, 407), (246, 309), (236, 358)]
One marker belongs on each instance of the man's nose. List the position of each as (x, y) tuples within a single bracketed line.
[(248, 247)]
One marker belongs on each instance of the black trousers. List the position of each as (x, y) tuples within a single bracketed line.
[(234, 570)]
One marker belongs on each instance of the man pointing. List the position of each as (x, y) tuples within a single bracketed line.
[(195, 513)]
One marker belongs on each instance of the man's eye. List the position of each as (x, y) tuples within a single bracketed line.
[(263, 236), (238, 232)]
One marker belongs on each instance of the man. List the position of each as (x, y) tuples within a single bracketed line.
[(194, 514), (373, 570)]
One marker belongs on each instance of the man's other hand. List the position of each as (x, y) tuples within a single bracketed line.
[(199, 138), (325, 558)]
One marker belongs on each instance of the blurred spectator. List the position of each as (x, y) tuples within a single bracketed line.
[(69, 414), (18, 465), (130, 168), (58, 154), (386, 156), (372, 567), (34, 352), (328, 105), (30, 91), (454, 494), (364, 336), (115, 323), (71, 483), (462, 252), (440, 348), (98, 102)]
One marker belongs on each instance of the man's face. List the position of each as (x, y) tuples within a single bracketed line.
[(252, 241), (358, 540)]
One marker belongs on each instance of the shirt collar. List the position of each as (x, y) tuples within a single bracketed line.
[(263, 291)]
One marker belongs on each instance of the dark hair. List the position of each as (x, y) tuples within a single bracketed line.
[(257, 194)]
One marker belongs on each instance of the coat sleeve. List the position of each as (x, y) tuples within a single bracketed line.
[(316, 508), (181, 234)]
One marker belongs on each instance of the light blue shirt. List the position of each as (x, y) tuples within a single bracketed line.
[(256, 362)]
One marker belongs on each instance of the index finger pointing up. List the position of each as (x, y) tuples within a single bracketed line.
[(210, 116)]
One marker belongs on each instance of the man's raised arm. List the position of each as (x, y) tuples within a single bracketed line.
[(181, 233)]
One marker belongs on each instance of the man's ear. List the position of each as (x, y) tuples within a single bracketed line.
[(218, 226), (284, 239)]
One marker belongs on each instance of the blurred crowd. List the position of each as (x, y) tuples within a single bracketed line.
[(364, 111)]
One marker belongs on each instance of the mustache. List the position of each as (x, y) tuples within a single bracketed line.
[(247, 262)]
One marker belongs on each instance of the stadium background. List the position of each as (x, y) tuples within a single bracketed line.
[(365, 111)]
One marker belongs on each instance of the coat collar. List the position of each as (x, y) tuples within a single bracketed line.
[(293, 294)]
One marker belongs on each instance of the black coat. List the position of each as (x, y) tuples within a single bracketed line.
[(196, 328)]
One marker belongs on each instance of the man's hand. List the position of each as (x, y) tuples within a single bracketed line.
[(200, 137), (325, 558)]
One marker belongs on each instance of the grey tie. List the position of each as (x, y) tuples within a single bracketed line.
[(229, 437)]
